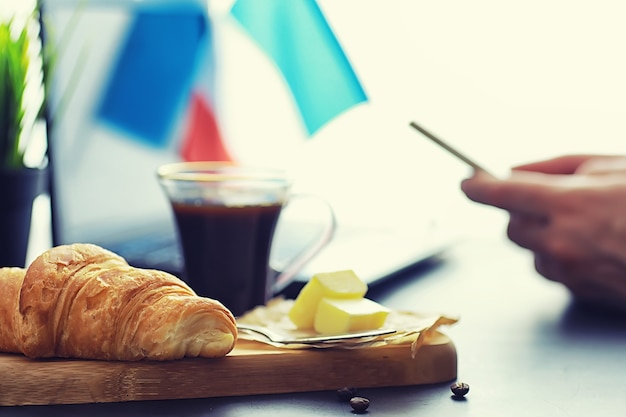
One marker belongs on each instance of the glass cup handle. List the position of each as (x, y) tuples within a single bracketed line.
[(289, 272)]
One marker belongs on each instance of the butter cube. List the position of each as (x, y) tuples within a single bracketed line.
[(336, 316), (338, 284)]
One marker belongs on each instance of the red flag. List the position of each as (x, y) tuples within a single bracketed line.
[(202, 140)]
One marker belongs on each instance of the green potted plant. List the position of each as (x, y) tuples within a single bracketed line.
[(21, 181)]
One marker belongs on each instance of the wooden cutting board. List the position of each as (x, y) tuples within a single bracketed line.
[(251, 368)]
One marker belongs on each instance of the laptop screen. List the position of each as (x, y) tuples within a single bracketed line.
[(114, 119), (126, 86)]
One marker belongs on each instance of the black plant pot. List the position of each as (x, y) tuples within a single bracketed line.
[(18, 190)]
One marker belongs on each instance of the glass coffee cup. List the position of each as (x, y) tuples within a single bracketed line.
[(226, 215)]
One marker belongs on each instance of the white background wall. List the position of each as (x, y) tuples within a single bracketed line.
[(508, 82)]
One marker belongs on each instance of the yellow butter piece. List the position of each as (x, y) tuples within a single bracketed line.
[(337, 316), (338, 284)]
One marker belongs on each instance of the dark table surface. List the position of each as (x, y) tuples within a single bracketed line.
[(523, 346)]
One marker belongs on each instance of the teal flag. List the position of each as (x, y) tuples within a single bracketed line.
[(296, 35)]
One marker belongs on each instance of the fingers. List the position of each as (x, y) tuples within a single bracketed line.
[(603, 165), (555, 237), (531, 188), (564, 165), (548, 267), (577, 164), (574, 275), (528, 231), (524, 192), (594, 281)]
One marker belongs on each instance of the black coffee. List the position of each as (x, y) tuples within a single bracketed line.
[(226, 252)]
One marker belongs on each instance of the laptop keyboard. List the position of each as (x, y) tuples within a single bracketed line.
[(373, 253), (159, 251)]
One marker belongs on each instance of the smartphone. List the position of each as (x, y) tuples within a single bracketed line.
[(451, 149)]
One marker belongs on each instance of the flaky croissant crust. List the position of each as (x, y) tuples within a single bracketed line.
[(82, 301)]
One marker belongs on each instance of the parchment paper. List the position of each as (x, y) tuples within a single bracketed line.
[(412, 328)]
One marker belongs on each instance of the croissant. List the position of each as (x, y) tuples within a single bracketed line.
[(82, 301), (10, 282)]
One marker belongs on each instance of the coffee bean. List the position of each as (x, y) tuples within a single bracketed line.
[(459, 389), (359, 404)]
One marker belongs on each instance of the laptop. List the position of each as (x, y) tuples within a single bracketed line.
[(104, 188)]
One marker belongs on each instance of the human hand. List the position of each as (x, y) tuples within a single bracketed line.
[(571, 213)]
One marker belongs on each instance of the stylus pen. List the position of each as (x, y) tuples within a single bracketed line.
[(450, 149)]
